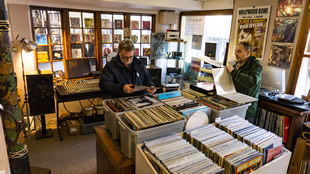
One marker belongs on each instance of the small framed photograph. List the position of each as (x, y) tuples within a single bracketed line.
[(105, 23), (75, 38), (89, 22), (145, 39), (75, 22), (146, 25), (88, 38), (106, 38), (118, 24), (41, 39), (117, 38), (146, 51), (134, 25), (76, 52)]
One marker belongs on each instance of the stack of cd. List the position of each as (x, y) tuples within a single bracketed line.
[(180, 102), (172, 154), (224, 150), (217, 102), (145, 118), (191, 94), (268, 143)]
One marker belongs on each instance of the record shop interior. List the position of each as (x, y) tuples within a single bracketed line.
[(172, 86)]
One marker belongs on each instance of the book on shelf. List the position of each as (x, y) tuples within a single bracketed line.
[(134, 25), (75, 38), (75, 22), (118, 24), (106, 38), (145, 39), (105, 23), (146, 25), (89, 22)]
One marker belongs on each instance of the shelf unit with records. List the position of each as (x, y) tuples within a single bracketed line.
[(297, 115)]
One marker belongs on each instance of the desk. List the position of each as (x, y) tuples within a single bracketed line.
[(109, 157), (68, 98), (298, 114)]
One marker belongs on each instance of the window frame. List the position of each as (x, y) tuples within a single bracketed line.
[(66, 39)]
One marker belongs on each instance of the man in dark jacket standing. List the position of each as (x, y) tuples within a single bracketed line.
[(123, 72), (246, 74)]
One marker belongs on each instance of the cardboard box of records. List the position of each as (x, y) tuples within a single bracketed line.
[(140, 125), (116, 107)]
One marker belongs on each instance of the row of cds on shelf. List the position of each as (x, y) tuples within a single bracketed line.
[(172, 154), (267, 143), (226, 151), (146, 118)]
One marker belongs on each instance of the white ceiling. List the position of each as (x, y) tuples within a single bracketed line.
[(179, 5)]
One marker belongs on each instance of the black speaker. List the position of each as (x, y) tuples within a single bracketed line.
[(156, 75), (40, 93)]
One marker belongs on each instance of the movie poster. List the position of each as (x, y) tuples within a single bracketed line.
[(289, 8), (281, 56), (284, 30), (252, 27)]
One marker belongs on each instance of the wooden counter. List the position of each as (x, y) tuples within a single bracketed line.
[(109, 158)]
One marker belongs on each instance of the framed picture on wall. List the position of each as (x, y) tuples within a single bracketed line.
[(118, 24)]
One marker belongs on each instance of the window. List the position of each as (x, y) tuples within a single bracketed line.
[(47, 33), (82, 35), (215, 35), (141, 29), (63, 34), (303, 82)]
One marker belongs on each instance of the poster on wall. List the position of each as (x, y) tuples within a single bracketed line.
[(252, 28), (196, 42), (289, 8), (284, 30), (157, 46), (194, 25), (281, 56)]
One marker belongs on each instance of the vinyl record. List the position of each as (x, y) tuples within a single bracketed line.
[(197, 119)]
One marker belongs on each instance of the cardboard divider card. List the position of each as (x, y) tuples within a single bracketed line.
[(225, 87)]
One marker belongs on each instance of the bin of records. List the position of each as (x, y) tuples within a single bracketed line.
[(223, 149), (172, 154), (140, 125), (267, 143), (223, 108), (121, 105), (191, 94)]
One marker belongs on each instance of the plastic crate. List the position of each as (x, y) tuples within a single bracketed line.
[(129, 138), (111, 119), (226, 113)]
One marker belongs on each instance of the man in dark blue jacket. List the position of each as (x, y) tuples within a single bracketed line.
[(123, 72)]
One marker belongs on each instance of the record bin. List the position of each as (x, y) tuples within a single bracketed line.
[(239, 110), (111, 117), (129, 138), (279, 165)]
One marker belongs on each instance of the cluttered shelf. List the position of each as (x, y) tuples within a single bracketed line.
[(296, 113)]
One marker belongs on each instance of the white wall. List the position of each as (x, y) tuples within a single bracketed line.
[(217, 4), (273, 4)]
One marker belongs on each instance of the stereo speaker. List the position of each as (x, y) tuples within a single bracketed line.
[(40, 92)]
